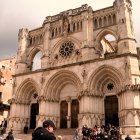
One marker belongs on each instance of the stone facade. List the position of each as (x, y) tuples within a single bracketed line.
[(85, 78), (7, 69)]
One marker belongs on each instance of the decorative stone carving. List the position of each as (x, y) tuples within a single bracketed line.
[(129, 87), (68, 99), (41, 98), (12, 100), (84, 73), (65, 24)]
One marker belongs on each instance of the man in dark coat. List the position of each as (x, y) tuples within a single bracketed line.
[(45, 132), (128, 137)]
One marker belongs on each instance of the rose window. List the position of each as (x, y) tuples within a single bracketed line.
[(66, 49), (110, 86)]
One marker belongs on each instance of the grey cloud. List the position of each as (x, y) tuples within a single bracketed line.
[(16, 14)]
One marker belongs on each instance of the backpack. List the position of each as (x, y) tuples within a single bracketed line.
[(38, 132)]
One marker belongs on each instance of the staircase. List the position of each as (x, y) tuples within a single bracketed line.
[(67, 134)]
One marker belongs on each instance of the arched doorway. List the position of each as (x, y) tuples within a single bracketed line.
[(63, 114), (74, 113), (111, 110), (33, 113)]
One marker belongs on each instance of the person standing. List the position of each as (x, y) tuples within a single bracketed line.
[(45, 132), (76, 134), (10, 136), (128, 137), (26, 128)]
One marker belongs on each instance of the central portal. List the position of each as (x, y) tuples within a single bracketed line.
[(74, 113), (73, 109), (111, 110), (34, 113), (63, 114)]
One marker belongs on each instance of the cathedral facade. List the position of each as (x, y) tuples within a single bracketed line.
[(89, 71)]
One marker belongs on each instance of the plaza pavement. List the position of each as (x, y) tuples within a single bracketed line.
[(67, 134)]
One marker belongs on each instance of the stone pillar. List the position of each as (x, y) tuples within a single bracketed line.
[(91, 110), (39, 120), (18, 119), (130, 110), (46, 45), (42, 105), (69, 112)]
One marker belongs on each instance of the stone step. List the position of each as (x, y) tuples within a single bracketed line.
[(68, 131)]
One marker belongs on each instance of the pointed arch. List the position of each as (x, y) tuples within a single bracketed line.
[(33, 52), (102, 75), (130, 118), (58, 81), (34, 58), (69, 38), (104, 32), (26, 89)]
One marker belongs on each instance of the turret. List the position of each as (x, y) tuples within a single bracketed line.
[(21, 63), (127, 42)]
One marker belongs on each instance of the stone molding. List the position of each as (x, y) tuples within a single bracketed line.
[(91, 119), (18, 119), (130, 87), (17, 101), (71, 12), (124, 113), (90, 93), (46, 98)]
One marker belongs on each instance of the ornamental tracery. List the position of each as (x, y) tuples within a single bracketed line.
[(66, 49)]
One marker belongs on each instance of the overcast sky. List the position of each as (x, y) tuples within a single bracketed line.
[(16, 14)]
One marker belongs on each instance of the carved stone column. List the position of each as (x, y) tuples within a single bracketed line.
[(69, 112)]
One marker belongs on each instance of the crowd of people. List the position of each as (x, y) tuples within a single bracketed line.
[(101, 133), (3, 127), (107, 132)]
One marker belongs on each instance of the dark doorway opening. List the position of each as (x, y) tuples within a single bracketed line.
[(63, 114), (34, 112), (74, 113), (111, 110)]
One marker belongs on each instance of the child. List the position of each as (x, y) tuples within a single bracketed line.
[(10, 136)]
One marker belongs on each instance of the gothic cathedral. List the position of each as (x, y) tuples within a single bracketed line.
[(89, 71)]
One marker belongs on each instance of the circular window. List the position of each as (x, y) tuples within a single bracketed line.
[(66, 49), (110, 86)]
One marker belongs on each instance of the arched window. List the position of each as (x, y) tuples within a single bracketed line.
[(78, 26), (59, 30), (100, 22), (105, 21), (33, 40), (95, 24), (114, 19), (30, 41), (52, 32), (109, 20), (68, 28), (37, 61), (73, 27), (37, 40), (108, 44), (55, 31)]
